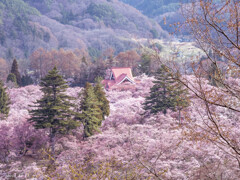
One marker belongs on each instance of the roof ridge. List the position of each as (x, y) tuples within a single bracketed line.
[(121, 67)]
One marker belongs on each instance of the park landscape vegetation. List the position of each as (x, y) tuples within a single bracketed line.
[(181, 121)]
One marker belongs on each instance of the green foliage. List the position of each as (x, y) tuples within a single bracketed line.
[(21, 24), (181, 99), (167, 93), (15, 71), (53, 110), (11, 77), (102, 99), (161, 95), (89, 113), (105, 12), (67, 16), (4, 102), (152, 8), (93, 52), (26, 80), (45, 4), (181, 96), (19, 12), (19, 8), (101, 11)]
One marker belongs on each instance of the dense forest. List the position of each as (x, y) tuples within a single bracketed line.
[(153, 8), (90, 25), (165, 12)]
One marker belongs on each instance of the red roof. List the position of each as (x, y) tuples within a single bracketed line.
[(119, 71), (120, 78), (119, 75)]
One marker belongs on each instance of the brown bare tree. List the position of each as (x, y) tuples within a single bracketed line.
[(67, 61), (215, 29)]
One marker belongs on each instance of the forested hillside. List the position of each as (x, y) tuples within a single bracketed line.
[(165, 12), (93, 25), (16, 30), (154, 8)]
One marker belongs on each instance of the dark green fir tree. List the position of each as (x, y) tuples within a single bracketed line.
[(161, 94), (4, 102), (15, 71), (180, 97), (102, 99), (53, 110), (89, 112), (167, 93)]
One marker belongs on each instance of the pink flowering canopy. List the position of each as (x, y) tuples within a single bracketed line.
[(185, 151)]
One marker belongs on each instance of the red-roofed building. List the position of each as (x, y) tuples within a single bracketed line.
[(118, 76)]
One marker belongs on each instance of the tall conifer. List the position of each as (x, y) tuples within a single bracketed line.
[(103, 101), (53, 110), (161, 94), (180, 97), (4, 102), (15, 71), (89, 113), (167, 93)]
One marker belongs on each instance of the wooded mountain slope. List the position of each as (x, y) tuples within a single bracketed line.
[(154, 8), (92, 25), (165, 12)]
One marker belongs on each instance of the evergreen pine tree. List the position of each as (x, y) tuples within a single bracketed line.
[(89, 113), (4, 102), (161, 94), (180, 97), (103, 102), (167, 93), (14, 70), (53, 110)]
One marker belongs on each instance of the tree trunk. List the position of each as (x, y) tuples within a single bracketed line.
[(165, 112), (6, 159), (52, 145), (52, 131), (179, 116)]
